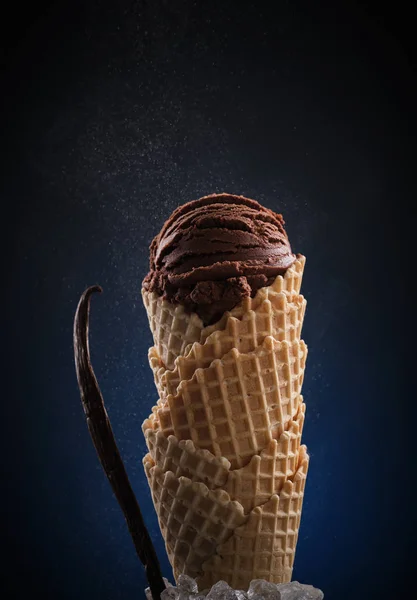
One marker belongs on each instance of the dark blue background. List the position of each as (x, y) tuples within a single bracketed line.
[(113, 117)]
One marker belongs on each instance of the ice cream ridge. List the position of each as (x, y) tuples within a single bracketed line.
[(225, 463)]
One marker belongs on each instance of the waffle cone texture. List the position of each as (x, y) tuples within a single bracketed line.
[(225, 463)]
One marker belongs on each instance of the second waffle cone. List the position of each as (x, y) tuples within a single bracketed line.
[(251, 485), (234, 407)]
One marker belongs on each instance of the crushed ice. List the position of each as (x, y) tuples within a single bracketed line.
[(259, 589)]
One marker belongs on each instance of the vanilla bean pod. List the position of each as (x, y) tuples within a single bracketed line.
[(107, 450)]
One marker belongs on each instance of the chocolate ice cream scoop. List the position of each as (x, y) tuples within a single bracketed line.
[(213, 252)]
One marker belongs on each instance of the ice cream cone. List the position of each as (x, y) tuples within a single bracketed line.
[(226, 466)]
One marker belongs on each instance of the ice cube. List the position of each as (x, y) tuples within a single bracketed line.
[(258, 590), (299, 591), (170, 593), (187, 584), (148, 594), (260, 587), (221, 591), (148, 590)]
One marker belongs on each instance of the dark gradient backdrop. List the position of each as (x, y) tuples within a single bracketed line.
[(114, 116)]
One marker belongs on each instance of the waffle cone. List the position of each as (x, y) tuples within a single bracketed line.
[(226, 467), (264, 546), (240, 403), (208, 536), (182, 458), (174, 329), (267, 472), (281, 318), (251, 485), (193, 519)]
